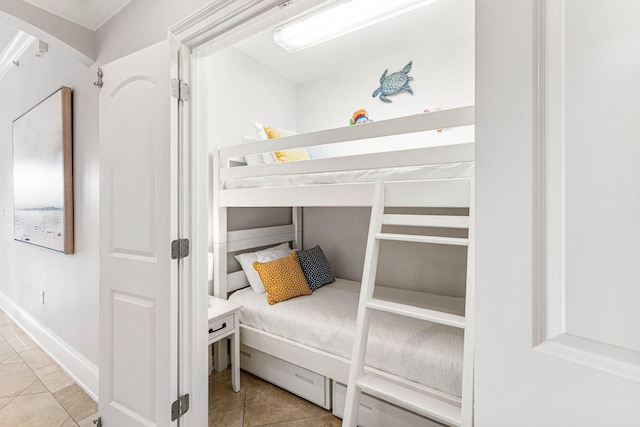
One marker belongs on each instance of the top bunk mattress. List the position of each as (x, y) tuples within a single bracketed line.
[(420, 351), (424, 172)]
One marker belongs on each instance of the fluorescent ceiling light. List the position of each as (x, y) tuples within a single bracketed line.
[(12, 52), (337, 19)]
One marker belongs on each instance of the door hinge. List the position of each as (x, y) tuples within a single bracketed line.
[(179, 407), (98, 422), (180, 89), (179, 248), (99, 83)]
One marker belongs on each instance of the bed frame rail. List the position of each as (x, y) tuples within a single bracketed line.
[(440, 193), (408, 194), (241, 240), (254, 238), (389, 159), (455, 117)]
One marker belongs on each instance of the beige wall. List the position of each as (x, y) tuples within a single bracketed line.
[(342, 235)]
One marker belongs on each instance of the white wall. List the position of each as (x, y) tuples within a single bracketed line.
[(67, 324), (70, 282), (234, 90), (240, 90), (443, 77)]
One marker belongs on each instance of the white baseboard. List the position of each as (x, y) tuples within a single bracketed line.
[(83, 372)]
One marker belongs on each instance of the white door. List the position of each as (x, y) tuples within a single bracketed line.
[(138, 279), (558, 185)]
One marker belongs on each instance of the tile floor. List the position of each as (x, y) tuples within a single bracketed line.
[(259, 403), (34, 390)]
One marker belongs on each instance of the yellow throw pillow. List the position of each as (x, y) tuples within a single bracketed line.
[(274, 132), (285, 155), (283, 278), (291, 155)]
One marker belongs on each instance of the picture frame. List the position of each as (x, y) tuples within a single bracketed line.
[(43, 174)]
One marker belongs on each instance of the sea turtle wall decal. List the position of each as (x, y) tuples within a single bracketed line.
[(394, 83)]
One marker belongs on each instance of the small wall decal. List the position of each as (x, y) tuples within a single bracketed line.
[(436, 109), (394, 83), (359, 117)]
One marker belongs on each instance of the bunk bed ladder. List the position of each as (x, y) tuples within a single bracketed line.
[(431, 405)]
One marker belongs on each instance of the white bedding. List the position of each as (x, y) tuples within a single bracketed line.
[(424, 352), (440, 171)]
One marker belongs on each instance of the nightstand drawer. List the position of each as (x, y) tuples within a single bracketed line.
[(220, 327)]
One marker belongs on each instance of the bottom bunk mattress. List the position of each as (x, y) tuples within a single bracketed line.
[(420, 351)]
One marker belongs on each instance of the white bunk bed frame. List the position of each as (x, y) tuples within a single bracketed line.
[(319, 370)]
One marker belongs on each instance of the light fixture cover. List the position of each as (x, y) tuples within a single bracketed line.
[(337, 19)]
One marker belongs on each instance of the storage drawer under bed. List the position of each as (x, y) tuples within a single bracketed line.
[(377, 413), (302, 382)]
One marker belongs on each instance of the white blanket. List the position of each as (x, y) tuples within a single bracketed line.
[(440, 171), (420, 351)]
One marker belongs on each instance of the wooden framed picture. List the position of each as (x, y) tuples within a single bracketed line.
[(43, 174)]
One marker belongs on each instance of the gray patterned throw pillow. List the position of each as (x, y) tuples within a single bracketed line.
[(315, 267)]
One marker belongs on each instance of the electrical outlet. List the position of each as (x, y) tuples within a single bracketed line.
[(42, 297)]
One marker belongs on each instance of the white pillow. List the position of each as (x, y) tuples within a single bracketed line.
[(247, 259), (272, 254), (259, 129)]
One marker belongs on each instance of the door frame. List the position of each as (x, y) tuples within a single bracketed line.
[(217, 25)]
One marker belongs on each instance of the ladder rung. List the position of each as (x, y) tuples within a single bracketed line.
[(404, 397), (418, 313), (439, 221), (440, 240)]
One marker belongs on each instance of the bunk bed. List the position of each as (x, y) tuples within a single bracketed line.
[(311, 359)]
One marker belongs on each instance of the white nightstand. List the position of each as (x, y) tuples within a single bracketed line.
[(223, 323)]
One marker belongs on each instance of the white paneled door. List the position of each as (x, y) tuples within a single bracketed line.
[(138, 333), (558, 202)]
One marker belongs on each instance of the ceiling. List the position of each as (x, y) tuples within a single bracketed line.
[(87, 13), (433, 23), (90, 14), (437, 21)]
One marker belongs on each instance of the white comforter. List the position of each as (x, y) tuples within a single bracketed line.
[(424, 352)]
